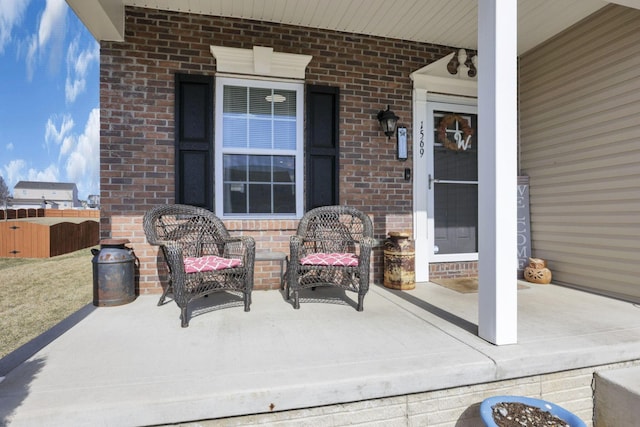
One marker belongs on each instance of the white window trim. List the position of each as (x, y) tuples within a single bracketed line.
[(298, 152)]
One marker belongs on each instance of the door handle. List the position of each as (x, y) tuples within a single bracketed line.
[(431, 180)]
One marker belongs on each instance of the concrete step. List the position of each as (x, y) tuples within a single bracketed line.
[(617, 397)]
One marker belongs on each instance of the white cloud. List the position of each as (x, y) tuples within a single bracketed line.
[(17, 170), (49, 40), (79, 154), (77, 66), (9, 147), (83, 163), (67, 144), (13, 172), (31, 56), (52, 21), (55, 134), (50, 174), (73, 88), (11, 14)]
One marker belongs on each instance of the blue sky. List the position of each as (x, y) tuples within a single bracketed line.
[(49, 96)]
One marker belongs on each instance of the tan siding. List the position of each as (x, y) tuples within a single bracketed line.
[(580, 146)]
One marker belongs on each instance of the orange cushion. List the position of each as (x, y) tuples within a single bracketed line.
[(209, 263), (333, 259)]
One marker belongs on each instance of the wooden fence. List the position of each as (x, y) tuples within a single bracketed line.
[(23, 239), (40, 213)]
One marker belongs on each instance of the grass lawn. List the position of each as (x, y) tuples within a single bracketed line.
[(36, 294)]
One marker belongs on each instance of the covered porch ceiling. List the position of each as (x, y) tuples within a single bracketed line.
[(446, 22)]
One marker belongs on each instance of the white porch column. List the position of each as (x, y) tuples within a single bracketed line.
[(497, 171)]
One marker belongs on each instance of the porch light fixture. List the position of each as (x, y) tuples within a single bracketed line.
[(388, 120)]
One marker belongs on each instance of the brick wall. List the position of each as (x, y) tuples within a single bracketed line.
[(441, 270), (137, 119)]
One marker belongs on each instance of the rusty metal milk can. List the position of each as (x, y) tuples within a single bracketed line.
[(399, 261), (113, 273)]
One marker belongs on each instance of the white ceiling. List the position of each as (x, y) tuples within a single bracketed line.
[(446, 22)]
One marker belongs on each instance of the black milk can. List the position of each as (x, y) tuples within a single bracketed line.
[(113, 273)]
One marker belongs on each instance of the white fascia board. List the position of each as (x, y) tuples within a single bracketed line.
[(103, 18)]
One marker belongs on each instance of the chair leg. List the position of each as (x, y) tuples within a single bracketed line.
[(247, 301), (360, 302), (164, 295), (296, 301), (183, 316)]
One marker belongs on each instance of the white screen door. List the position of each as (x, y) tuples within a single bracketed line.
[(452, 179)]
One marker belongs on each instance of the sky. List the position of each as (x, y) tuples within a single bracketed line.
[(49, 96)]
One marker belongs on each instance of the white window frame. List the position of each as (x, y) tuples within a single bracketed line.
[(220, 151)]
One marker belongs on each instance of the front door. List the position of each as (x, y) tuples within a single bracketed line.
[(452, 189)]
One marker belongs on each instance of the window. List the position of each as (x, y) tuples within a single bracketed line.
[(259, 148)]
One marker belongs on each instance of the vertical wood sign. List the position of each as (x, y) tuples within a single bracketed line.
[(524, 229)]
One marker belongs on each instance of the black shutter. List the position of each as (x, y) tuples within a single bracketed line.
[(322, 153), (194, 140)]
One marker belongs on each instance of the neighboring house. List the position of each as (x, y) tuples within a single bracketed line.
[(47, 195), (260, 113)]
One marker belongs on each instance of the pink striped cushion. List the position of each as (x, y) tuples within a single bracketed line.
[(333, 259), (209, 263)]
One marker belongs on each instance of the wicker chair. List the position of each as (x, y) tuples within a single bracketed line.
[(332, 247), (201, 256)]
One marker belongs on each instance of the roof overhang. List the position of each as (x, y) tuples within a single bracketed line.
[(445, 22)]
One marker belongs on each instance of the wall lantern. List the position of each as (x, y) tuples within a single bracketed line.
[(388, 121)]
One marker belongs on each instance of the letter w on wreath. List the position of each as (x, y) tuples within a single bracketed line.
[(454, 133)]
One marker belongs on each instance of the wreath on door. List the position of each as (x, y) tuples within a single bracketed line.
[(464, 131)]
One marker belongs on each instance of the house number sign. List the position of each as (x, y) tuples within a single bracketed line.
[(422, 139)]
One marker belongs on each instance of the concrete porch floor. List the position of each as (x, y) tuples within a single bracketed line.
[(134, 365)]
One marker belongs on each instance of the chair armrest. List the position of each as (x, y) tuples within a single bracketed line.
[(369, 242), (174, 257), (295, 246), (241, 247), (158, 242)]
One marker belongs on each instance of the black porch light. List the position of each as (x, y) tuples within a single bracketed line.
[(388, 120)]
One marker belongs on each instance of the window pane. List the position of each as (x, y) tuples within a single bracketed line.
[(235, 167), (234, 116), (284, 135), (456, 218), (235, 198), (260, 118), (259, 184), (284, 103), (285, 198), (260, 134), (259, 105), (235, 100), (284, 169), (234, 130), (260, 169), (260, 196), (457, 165)]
